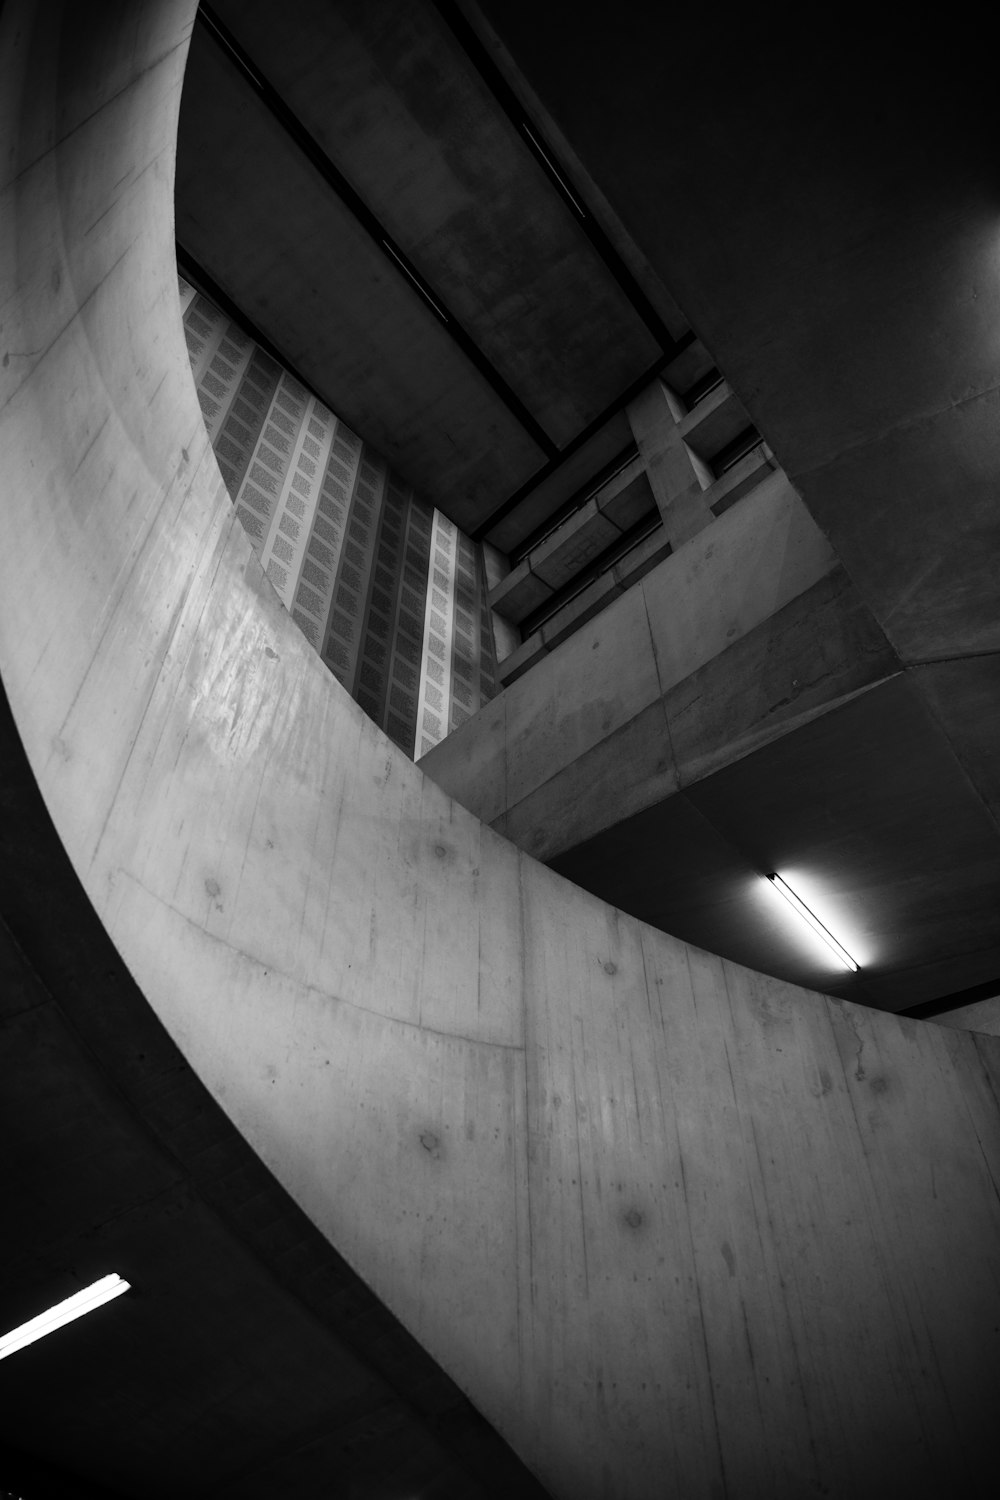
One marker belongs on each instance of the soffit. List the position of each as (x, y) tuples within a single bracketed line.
[(867, 813), (396, 104), (822, 202), (286, 250)]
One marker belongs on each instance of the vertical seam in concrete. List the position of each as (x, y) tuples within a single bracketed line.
[(659, 685), (526, 1144), (505, 759), (901, 1323)]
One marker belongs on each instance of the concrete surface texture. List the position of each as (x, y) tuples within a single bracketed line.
[(674, 1227), (982, 1016), (860, 341), (465, 200), (248, 1360), (841, 269), (594, 733)]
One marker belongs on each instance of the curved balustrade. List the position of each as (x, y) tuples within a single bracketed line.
[(676, 1228)]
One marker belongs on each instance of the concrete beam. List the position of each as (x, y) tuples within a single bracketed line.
[(838, 264), (713, 423), (589, 602), (675, 480), (745, 632)]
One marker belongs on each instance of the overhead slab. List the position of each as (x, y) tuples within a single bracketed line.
[(822, 202)]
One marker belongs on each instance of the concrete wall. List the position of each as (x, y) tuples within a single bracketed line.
[(747, 631), (982, 1016), (836, 250), (334, 528), (675, 1227)]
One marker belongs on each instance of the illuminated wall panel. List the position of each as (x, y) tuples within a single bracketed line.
[(387, 590)]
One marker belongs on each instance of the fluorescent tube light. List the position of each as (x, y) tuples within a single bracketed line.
[(817, 926), (92, 1296)]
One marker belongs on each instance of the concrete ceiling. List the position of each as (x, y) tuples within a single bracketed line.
[(833, 243), (350, 127), (832, 233), (867, 813), (823, 202)]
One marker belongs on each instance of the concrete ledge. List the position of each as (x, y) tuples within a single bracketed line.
[(587, 533), (712, 425), (744, 476), (688, 608), (810, 657)]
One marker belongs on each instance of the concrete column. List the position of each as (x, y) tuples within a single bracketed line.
[(506, 637), (677, 477)]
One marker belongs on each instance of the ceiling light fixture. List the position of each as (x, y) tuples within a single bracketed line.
[(803, 911), (82, 1302)]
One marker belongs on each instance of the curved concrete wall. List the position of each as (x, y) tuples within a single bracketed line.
[(677, 1229)]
